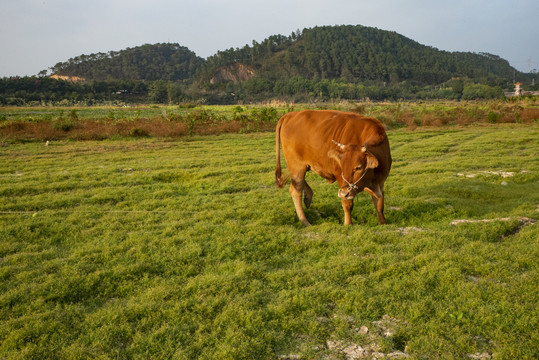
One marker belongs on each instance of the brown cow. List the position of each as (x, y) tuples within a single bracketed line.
[(349, 148)]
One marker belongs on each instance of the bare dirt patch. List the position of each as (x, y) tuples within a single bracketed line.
[(524, 221)]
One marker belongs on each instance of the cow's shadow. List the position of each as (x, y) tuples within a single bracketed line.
[(326, 208)]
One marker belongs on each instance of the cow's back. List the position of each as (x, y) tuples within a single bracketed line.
[(310, 132)]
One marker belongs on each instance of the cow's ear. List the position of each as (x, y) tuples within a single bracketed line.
[(336, 155), (372, 161)]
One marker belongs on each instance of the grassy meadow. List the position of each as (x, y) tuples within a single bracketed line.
[(161, 121), (183, 248)]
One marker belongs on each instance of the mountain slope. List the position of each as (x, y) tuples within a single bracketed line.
[(354, 54), (357, 54), (169, 62)]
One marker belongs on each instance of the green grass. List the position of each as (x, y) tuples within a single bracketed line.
[(42, 113), (159, 248)]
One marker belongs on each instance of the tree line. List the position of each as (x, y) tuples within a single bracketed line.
[(36, 91)]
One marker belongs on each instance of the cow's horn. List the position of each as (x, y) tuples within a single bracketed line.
[(338, 144)]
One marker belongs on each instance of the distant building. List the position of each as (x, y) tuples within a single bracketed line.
[(518, 91)]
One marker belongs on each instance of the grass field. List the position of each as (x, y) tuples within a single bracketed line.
[(165, 248)]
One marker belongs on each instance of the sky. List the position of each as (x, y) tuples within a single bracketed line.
[(37, 34)]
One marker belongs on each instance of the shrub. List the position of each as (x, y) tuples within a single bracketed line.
[(359, 108), (530, 114), (203, 120), (492, 117), (63, 124), (73, 115), (111, 115), (428, 119), (187, 105), (265, 115), (138, 132), (408, 119), (237, 110), (479, 91)]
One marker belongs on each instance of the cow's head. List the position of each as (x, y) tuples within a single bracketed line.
[(354, 161)]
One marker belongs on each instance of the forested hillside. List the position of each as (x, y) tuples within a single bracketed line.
[(317, 64), (357, 53), (170, 62)]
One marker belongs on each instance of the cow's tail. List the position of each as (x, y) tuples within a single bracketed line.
[(280, 180)]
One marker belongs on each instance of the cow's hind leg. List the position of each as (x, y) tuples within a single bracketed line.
[(307, 194), (296, 190)]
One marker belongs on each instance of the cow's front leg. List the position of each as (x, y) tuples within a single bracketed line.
[(296, 190), (347, 206), (378, 202)]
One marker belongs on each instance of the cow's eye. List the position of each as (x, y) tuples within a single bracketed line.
[(358, 167)]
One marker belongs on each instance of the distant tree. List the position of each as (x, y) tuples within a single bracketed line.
[(479, 91), (157, 92), (457, 85)]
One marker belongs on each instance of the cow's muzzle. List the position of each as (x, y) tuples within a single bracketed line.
[(348, 192)]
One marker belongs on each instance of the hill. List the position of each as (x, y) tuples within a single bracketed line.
[(356, 54), (170, 62), (350, 53)]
